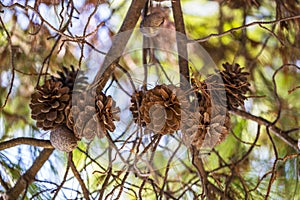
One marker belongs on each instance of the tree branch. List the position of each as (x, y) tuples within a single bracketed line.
[(181, 43), (261, 121), (23, 140), (207, 186), (118, 44), (230, 31), (29, 175)]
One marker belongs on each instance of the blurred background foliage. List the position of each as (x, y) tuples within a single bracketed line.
[(45, 40)]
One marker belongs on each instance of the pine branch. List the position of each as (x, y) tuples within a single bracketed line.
[(181, 43), (27, 178), (231, 31), (208, 187), (28, 141), (119, 44), (261, 121)]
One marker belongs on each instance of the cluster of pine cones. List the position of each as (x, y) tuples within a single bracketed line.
[(204, 121), (71, 112)]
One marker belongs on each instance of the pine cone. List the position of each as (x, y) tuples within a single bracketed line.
[(163, 109), (136, 102), (209, 125), (107, 112), (93, 114), (68, 78), (212, 129), (48, 103), (63, 139), (236, 84), (214, 119), (227, 87)]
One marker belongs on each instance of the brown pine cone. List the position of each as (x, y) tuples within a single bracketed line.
[(236, 84), (136, 102), (212, 129), (226, 87), (92, 114), (219, 92), (163, 109), (209, 125), (154, 20), (69, 76), (107, 112), (63, 139), (48, 103)]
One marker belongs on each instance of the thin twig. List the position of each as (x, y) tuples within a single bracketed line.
[(206, 185), (62, 183), (275, 89), (277, 131), (273, 174), (293, 89), (77, 176), (11, 62), (204, 39)]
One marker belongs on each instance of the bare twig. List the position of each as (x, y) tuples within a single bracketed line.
[(251, 148), (77, 176), (277, 131), (62, 183), (240, 140), (275, 89), (206, 185), (273, 174), (127, 74), (293, 89), (108, 176), (11, 51), (204, 39)]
